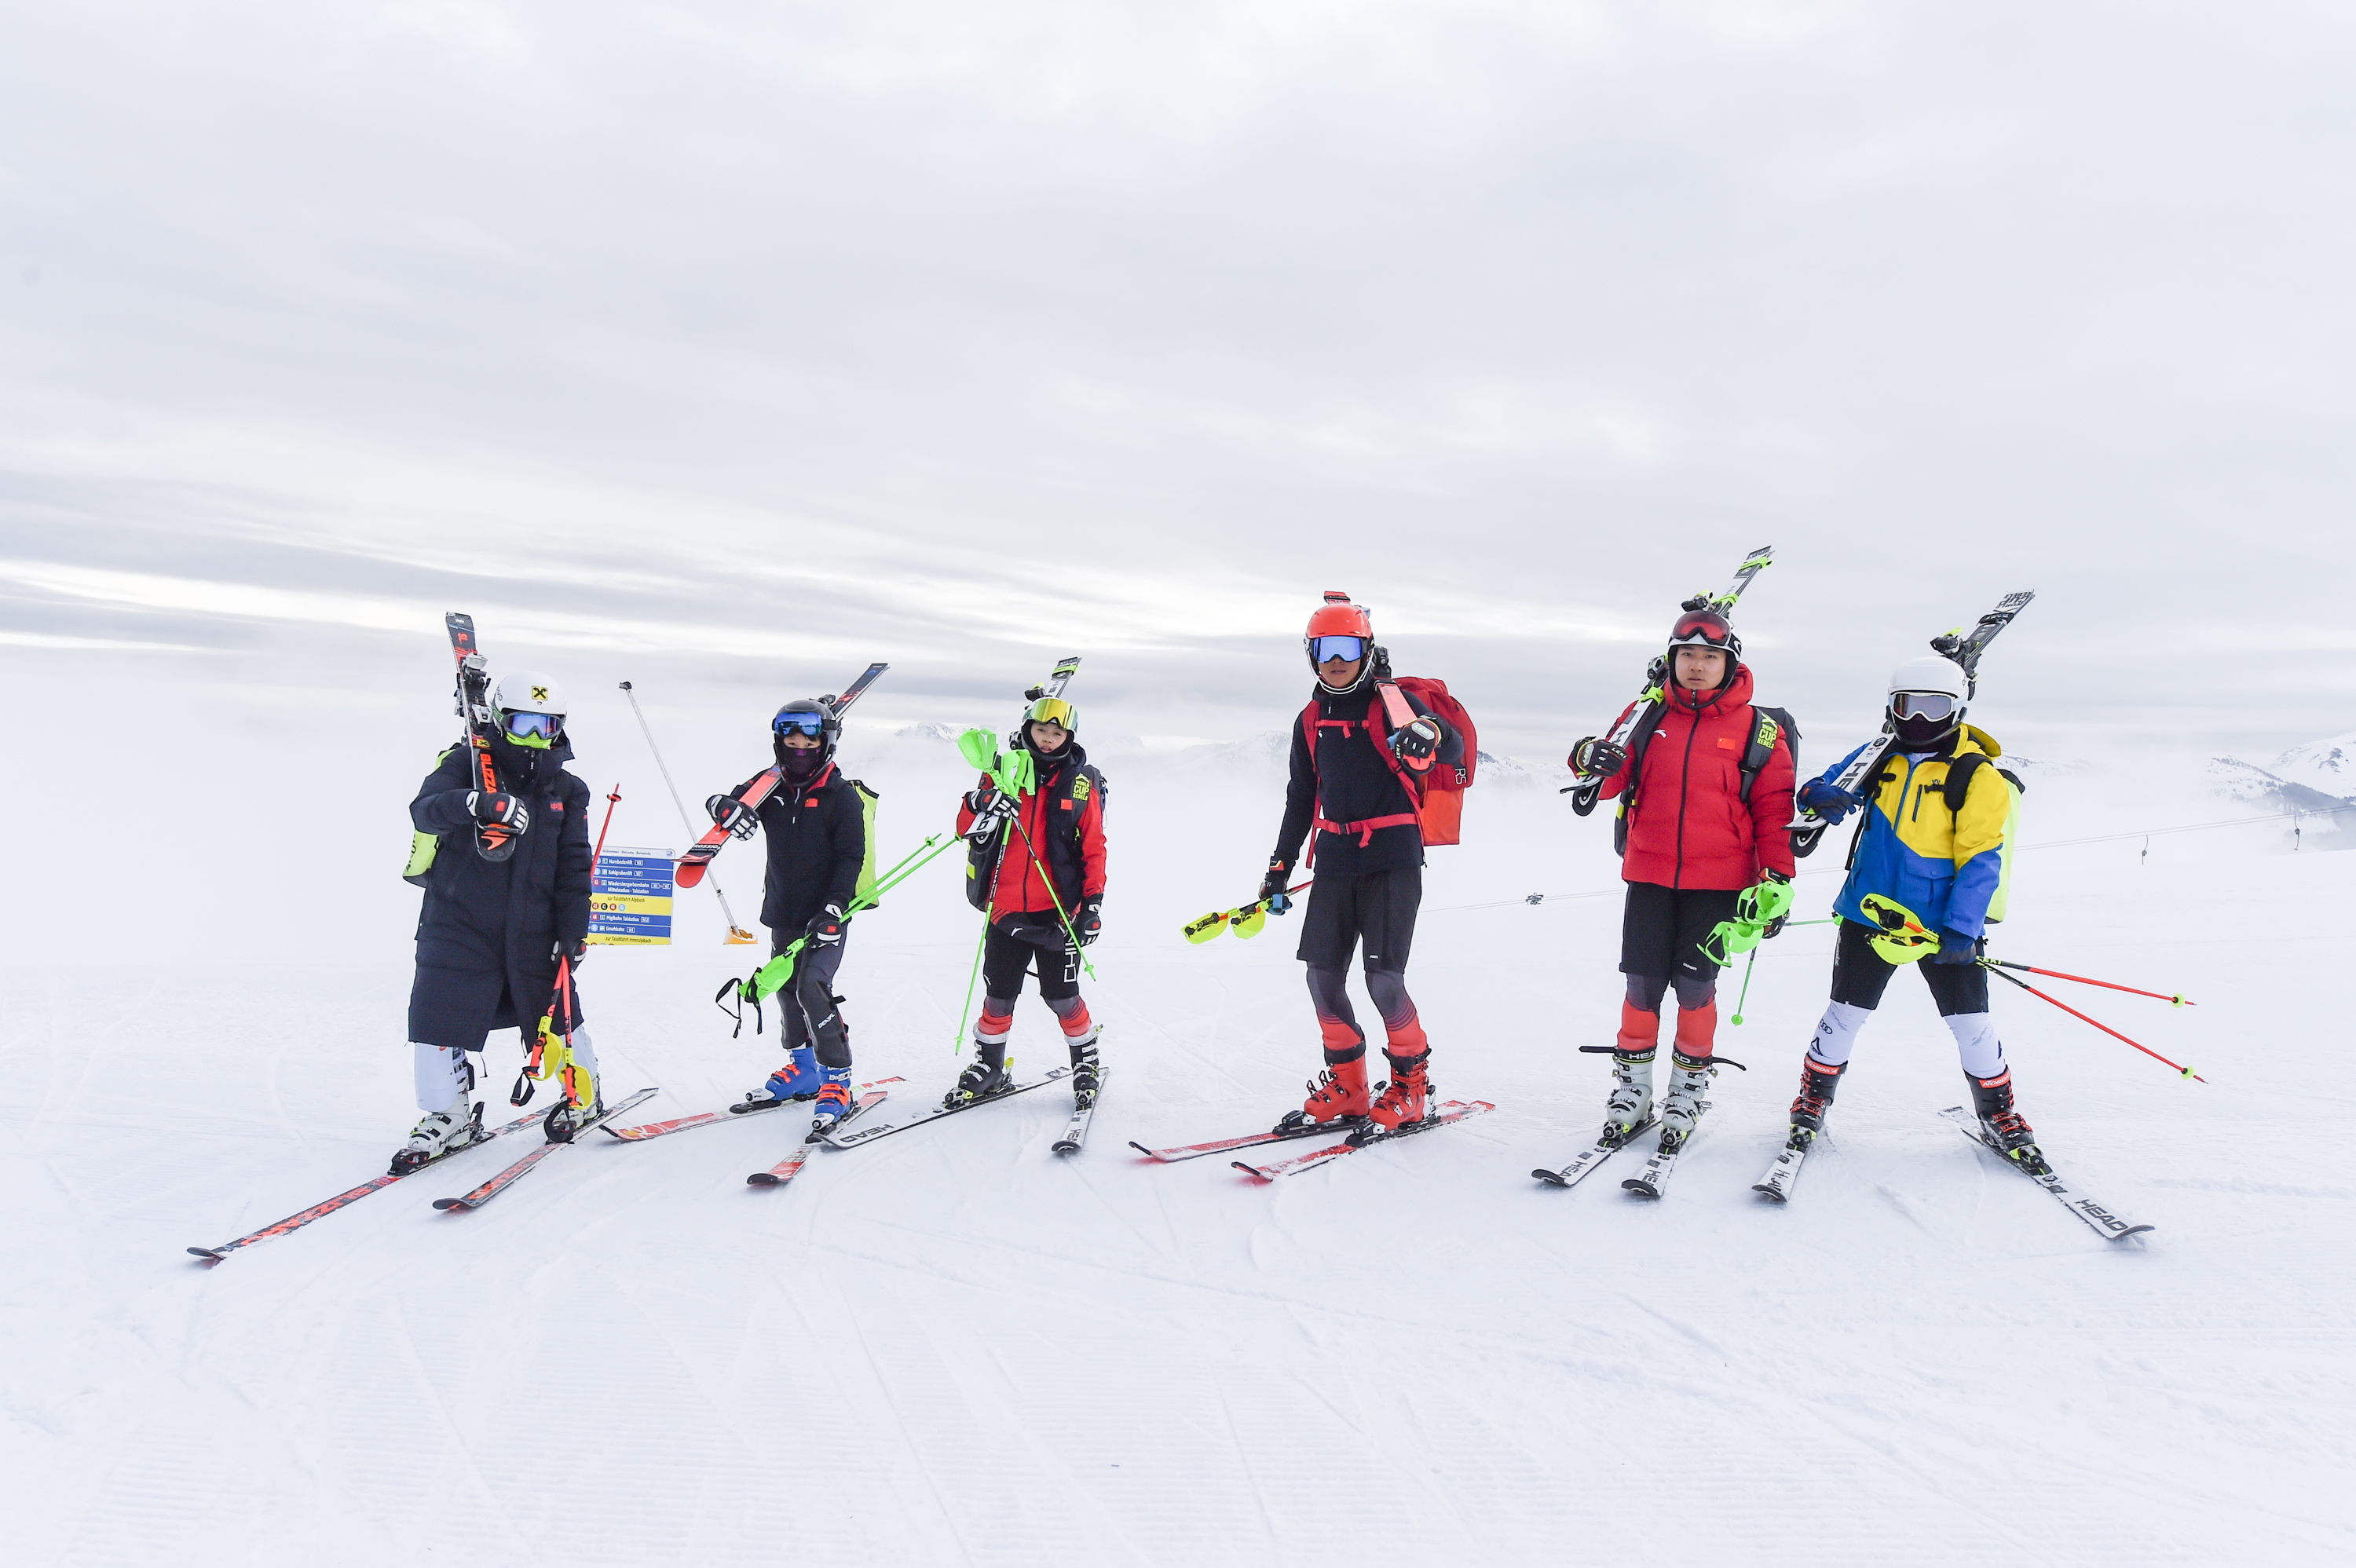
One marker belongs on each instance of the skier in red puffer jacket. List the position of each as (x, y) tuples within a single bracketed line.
[(1694, 842)]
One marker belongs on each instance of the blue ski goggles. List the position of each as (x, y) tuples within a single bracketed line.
[(1931, 705), (535, 726), (1323, 648), (799, 723)]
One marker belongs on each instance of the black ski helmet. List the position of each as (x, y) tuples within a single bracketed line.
[(1705, 625), (809, 716)]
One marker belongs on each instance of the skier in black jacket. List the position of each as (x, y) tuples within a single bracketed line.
[(491, 931), (816, 827), (1368, 857)]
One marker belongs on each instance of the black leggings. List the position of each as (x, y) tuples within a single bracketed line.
[(808, 1008)]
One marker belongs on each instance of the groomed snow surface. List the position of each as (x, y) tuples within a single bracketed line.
[(951, 1346)]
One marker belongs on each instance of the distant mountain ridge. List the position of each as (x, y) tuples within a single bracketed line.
[(2318, 776)]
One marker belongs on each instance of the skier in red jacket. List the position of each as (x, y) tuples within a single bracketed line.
[(1048, 867), (1697, 833)]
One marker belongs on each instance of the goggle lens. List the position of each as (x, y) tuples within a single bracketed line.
[(1052, 711), (1931, 705), (800, 724), (536, 726), (1323, 648), (1707, 629)]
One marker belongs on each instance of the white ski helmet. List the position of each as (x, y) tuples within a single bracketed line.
[(1931, 673), (1936, 678), (529, 692)]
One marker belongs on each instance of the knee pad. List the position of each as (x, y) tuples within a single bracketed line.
[(1836, 1032), (1982, 1052), (1645, 991)]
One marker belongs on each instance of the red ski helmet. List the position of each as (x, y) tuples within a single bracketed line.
[(1337, 618)]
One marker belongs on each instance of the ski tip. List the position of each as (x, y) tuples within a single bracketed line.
[(1067, 1147), (687, 876), (1640, 1187), (214, 1254), (1764, 1191), (761, 1179), (1551, 1178), (449, 1205), (1144, 1150), (2120, 1236), (1255, 1172)]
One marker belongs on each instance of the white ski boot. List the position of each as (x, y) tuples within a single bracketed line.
[(1681, 1106), (1631, 1094), (437, 1134)]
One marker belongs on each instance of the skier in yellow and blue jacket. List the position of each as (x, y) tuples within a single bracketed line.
[(1932, 847)]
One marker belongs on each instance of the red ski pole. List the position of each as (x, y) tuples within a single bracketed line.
[(612, 800), (2155, 995), (2184, 1072)]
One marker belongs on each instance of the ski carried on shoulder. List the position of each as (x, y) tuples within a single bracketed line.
[(763, 784), (1583, 796), (514, 1173), (1784, 1174), (1653, 1179), (785, 1170), (1075, 1131), (345, 1200), (1603, 1148), (874, 1130), (1225, 1145), (1964, 648), (1364, 1137), (738, 1112), (2108, 1225)]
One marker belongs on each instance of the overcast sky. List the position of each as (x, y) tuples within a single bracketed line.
[(732, 346)]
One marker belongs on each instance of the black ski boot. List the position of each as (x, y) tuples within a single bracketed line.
[(2005, 1126), (1084, 1073), (980, 1080), (1817, 1085)]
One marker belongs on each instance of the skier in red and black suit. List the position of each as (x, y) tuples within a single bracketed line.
[(1694, 843), (1351, 787), (1058, 831)]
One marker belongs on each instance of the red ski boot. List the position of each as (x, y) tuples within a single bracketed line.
[(1336, 1094), (1401, 1104)]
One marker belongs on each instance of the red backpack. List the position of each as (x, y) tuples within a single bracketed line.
[(1439, 790)]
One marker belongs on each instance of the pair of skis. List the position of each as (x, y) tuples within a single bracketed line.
[(1783, 1175), (1649, 1182), (481, 1194), (763, 784), (1074, 1134), (1361, 1136)]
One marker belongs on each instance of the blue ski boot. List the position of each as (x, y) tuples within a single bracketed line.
[(796, 1080), (834, 1100)]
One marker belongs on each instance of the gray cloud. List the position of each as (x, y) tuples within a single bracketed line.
[(965, 337)]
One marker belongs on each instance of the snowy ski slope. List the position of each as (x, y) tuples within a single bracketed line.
[(952, 1347)]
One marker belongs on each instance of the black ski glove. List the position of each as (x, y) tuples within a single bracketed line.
[(497, 806), (1596, 758), (1087, 921), (1954, 948), (825, 928), (733, 813), (1775, 927), (1272, 886), (579, 955), (1417, 740)]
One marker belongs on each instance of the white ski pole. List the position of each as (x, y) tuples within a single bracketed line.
[(736, 934)]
